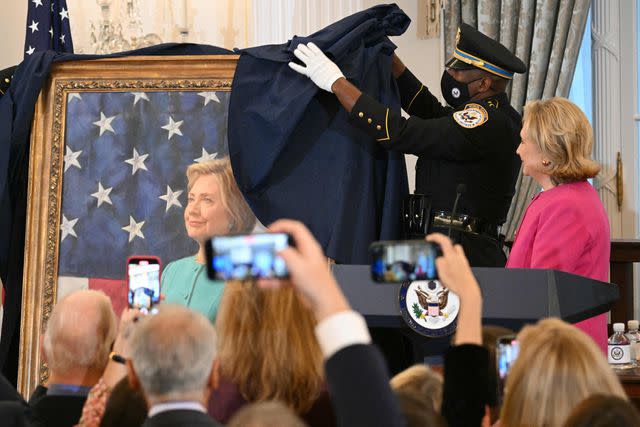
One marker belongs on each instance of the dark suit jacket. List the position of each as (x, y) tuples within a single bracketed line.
[(359, 388), (179, 418), (55, 411)]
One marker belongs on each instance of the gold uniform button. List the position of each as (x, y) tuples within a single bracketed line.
[(361, 114), (369, 120), (378, 127)]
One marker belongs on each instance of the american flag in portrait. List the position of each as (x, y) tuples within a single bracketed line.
[(48, 27), (124, 183)]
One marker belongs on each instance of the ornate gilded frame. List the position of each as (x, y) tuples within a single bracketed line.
[(42, 238)]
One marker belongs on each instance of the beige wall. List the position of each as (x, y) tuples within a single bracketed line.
[(12, 32)]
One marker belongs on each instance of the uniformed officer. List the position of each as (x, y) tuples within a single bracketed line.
[(473, 142), (5, 79)]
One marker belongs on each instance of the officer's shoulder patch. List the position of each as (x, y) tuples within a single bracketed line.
[(472, 116)]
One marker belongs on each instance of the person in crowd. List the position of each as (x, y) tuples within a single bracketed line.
[(557, 367), (601, 410), (418, 411), (472, 142), (115, 372), (76, 346), (267, 350), (215, 207), (125, 407), (266, 414), (490, 335), (172, 363), (420, 380), (355, 370), (565, 227)]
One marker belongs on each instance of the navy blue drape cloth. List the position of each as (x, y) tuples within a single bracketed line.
[(16, 114), (295, 155)]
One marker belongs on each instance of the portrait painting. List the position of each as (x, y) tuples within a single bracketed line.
[(111, 141)]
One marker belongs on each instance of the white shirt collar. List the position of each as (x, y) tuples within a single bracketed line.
[(174, 406)]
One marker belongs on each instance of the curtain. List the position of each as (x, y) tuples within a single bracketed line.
[(546, 35)]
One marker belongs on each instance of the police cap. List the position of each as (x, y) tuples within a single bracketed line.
[(475, 50)]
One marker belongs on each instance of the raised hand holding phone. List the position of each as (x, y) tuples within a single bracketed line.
[(309, 271)]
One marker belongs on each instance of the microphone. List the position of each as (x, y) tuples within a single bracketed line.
[(460, 189)]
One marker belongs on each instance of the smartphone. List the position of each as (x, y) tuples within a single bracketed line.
[(143, 276), (247, 256), (399, 261), (507, 349)]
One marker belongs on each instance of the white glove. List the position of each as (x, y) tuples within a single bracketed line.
[(320, 69)]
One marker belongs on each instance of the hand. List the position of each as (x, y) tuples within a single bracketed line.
[(127, 320), (455, 273), (309, 271), (453, 267), (320, 69)]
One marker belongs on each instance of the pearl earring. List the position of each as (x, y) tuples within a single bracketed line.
[(231, 225), (546, 162)]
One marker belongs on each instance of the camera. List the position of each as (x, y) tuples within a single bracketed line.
[(400, 261), (247, 256), (507, 349)]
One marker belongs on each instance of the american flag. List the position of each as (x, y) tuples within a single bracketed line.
[(124, 185), (48, 27)]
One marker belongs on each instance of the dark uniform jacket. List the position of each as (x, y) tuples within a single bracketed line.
[(474, 144)]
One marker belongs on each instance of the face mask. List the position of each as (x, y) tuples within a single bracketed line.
[(454, 92)]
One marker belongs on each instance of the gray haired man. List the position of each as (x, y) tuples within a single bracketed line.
[(76, 346), (173, 363)]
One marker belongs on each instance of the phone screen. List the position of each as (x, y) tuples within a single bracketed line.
[(144, 282), (403, 260), (507, 349), (247, 256)]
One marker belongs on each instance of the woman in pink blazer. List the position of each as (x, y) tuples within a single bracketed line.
[(566, 226)]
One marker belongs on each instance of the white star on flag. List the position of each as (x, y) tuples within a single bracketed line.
[(209, 96), (137, 161), (34, 26), (37, 3), (205, 156), (30, 50), (139, 96), (173, 127), (62, 38), (105, 123), (171, 198), (102, 194), (67, 227), (51, 31), (63, 13), (134, 229), (71, 158), (72, 96)]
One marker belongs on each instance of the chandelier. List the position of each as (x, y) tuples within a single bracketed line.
[(116, 36)]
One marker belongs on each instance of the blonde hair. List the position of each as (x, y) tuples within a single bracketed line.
[(564, 136), (422, 381), (267, 345), (240, 214), (557, 368)]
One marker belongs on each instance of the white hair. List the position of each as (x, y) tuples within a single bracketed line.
[(80, 332), (173, 352)]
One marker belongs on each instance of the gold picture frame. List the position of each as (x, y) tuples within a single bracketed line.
[(42, 238)]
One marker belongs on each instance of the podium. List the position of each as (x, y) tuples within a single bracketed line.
[(511, 297)]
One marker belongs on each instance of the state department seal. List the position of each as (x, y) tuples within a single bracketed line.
[(429, 308)]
